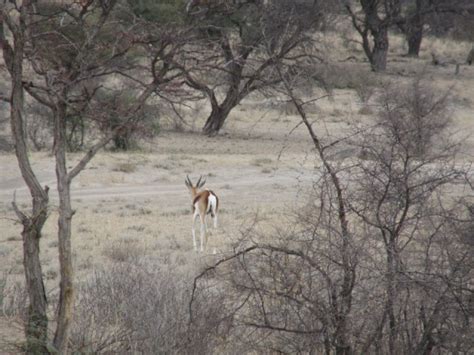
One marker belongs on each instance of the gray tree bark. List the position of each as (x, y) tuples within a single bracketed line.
[(36, 327), (66, 287)]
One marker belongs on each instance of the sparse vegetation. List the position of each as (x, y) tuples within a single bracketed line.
[(261, 162), (125, 167), (124, 250), (143, 308), (344, 181)]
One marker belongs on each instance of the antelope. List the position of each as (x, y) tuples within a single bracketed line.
[(204, 202)]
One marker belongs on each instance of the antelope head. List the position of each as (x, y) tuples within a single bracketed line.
[(193, 188)]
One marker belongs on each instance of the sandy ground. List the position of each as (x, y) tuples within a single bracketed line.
[(256, 166)]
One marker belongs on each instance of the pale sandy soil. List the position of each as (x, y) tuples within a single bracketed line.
[(256, 167)]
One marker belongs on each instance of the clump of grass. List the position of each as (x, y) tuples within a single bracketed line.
[(261, 162), (125, 167), (144, 307), (124, 251), (51, 275), (83, 229), (182, 212), (14, 299), (17, 269), (143, 211), (365, 110), (163, 166), (4, 251), (139, 228), (175, 162), (336, 113), (354, 78), (3, 284)]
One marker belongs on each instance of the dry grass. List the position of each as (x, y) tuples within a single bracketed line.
[(261, 162), (135, 210), (125, 167), (141, 307)]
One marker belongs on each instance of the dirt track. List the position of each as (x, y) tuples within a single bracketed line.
[(138, 200)]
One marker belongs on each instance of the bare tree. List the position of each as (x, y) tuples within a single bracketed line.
[(374, 19), (416, 12), (377, 261), (68, 53), (37, 323), (413, 27), (235, 65), (410, 160), (296, 293)]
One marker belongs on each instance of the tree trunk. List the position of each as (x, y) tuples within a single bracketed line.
[(380, 49), (215, 121), (66, 295), (36, 327), (414, 35), (219, 113), (470, 57), (391, 295), (343, 346)]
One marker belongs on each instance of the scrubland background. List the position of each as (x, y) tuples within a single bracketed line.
[(132, 222)]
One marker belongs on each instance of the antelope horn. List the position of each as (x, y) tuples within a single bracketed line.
[(199, 181), (202, 182), (188, 181)]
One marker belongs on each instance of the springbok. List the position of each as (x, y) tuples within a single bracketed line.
[(204, 202)]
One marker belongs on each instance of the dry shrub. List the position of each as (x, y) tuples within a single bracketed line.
[(362, 81), (143, 308), (125, 168), (124, 250), (366, 110), (5, 144), (13, 299), (261, 162), (414, 117), (3, 284)]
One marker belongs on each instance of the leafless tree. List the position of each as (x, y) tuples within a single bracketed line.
[(37, 324), (296, 292), (399, 200), (69, 51), (415, 13), (377, 262), (234, 64), (374, 19)]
